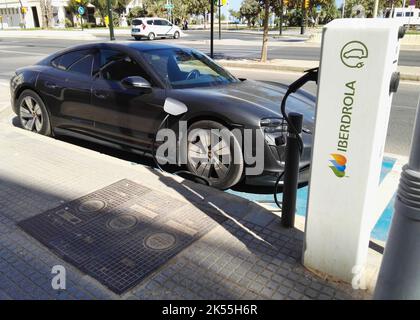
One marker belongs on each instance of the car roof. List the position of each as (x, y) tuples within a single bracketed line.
[(149, 18), (122, 45)]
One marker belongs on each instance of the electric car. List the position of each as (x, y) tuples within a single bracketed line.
[(114, 94), (152, 28)]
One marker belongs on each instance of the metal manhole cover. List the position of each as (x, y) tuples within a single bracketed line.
[(160, 241), (122, 222), (91, 206), (121, 233)]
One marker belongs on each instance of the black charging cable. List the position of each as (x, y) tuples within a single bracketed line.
[(310, 75), (182, 173)]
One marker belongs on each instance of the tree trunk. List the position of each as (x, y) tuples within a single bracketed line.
[(47, 13), (265, 32)]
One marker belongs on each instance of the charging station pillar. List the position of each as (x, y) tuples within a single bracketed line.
[(357, 77)]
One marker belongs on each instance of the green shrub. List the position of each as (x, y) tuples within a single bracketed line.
[(68, 23)]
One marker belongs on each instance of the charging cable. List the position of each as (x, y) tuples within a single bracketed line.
[(182, 173), (310, 75)]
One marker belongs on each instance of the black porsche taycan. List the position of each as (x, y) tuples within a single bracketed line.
[(114, 93)]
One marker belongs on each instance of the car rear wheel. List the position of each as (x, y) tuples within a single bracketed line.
[(137, 38), (32, 113), (176, 35), (214, 154), (151, 36)]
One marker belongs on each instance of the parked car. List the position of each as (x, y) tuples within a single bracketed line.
[(152, 28), (114, 93)]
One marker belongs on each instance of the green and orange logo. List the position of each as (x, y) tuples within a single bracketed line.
[(338, 164)]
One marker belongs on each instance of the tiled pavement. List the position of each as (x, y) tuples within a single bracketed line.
[(249, 256)]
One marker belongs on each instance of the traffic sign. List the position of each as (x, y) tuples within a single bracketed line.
[(169, 6), (81, 10), (318, 8)]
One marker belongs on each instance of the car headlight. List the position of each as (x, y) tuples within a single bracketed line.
[(273, 125)]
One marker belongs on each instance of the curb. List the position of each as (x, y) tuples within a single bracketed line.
[(272, 67)]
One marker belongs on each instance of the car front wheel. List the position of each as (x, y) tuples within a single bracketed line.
[(176, 35), (32, 113), (214, 153)]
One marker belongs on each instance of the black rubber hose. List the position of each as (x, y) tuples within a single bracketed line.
[(182, 173)]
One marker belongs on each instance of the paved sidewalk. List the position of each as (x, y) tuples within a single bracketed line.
[(249, 256)]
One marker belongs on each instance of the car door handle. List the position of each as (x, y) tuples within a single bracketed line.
[(100, 94), (50, 85)]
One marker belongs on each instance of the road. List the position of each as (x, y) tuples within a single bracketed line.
[(15, 53), (293, 52)]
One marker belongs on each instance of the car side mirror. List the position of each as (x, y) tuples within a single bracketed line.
[(136, 82), (174, 107)]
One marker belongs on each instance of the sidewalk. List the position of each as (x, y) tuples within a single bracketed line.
[(406, 72), (247, 255)]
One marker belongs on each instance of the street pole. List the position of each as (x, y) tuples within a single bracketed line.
[(110, 21), (302, 24), (375, 9), (342, 8), (211, 27), (281, 18), (399, 276), (220, 22)]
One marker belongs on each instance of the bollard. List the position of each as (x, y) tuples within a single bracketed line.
[(399, 276), (291, 171)]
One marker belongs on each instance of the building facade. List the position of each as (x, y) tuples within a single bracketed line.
[(28, 13)]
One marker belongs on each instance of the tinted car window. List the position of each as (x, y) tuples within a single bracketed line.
[(116, 65), (150, 22), (83, 66), (137, 22), (164, 23), (64, 61), (157, 22), (186, 68)]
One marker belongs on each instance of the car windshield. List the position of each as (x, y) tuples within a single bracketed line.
[(186, 68)]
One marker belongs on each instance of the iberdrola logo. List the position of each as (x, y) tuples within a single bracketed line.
[(338, 164)]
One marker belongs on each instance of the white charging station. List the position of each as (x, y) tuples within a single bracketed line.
[(355, 83)]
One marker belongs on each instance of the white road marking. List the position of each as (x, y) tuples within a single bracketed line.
[(388, 187), (24, 53)]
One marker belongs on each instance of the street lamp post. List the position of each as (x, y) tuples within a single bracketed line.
[(110, 21), (399, 276)]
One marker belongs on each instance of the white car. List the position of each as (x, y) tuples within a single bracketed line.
[(152, 28)]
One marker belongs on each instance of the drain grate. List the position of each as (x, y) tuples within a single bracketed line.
[(121, 233)]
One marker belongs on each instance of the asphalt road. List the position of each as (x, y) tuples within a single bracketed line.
[(293, 52), (293, 49), (15, 53)]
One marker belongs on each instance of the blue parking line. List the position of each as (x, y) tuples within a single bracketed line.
[(379, 232)]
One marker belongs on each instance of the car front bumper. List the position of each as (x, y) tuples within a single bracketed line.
[(274, 162)]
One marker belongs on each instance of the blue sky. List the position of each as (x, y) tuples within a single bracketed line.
[(235, 4)]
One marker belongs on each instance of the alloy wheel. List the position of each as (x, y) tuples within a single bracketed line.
[(31, 115), (209, 155)]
